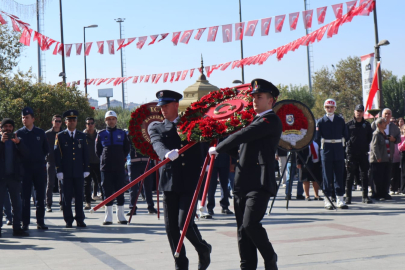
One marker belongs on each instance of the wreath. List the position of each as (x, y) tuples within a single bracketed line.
[(141, 145), (196, 125)]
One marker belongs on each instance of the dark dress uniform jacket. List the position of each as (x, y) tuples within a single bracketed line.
[(20, 152), (180, 175), (360, 135), (256, 145), (37, 143), (71, 156)]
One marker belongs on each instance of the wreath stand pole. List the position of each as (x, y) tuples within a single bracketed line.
[(157, 191), (192, 206), (207, 182), (137, 195), (139, 179)]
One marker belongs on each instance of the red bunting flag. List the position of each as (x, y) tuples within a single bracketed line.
[(110, 44), (307, 16), (61, 49), (224, 66), (46, 43), (141, 42), (26, 37), (153, 37), (178, 74), (15, 25), (130, 40), (183, 76), (279, 22), (239, 29), (141, 78), (120, 43), (165, 76), (116, 81), (79, 48), (68, 48), (186, 36), (90, 81), (227, 33), (146, 78), (192, 72), (368, 6), (172, 76), (153, 78), (55, 50), (199, 33), (207, 70), (110, 80), (68, 84), (78, 82), (38, 38), (250, 28), (321, 12), (158, 78), (212, 33), (87, 48), (176, 37), (294, 20), (101, 81), (322, 32), (351, 5), (338, 10), (163, 36), (127, 79), (2, 20), (265, 23), (135, 79), (100, 45)]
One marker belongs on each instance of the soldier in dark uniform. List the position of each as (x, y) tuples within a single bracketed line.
[(255, 181), (178, 180), (332, 134), (34, 169), (358, 146), (72, 166)]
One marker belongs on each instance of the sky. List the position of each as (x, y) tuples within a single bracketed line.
[(144, 18)]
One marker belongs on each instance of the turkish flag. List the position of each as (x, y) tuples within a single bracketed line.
[(322, 32), (351, 5), (199, 33), (373, 89), (46, 43), (15, 25), (130, 40), (141, 42), (321, 12), (78, 82), (153, 78), (265, 23), (38, 38), (135, 80), (184, 74), (224, 66), (90, 81), (87, 48), (26, 37), (279, 21), (110, 44), (158, 78), (368, 6), (207, 70), (294, 20), (163, 36), (153, 37), (186, 36), (250, 28), (146, 78), (338, 10), (68, 48), (192, 72), (127, 79), (234, 63), (100, 45), (116, 81), (178, 75), (61, 49), (227, 33), (120, 43), (176, 37), (172, 76), (212, 33), (110, 80), (55, 51), (2, 20), (239, 29), (79, 48), (307, 16), (141, 78), (165, 76)]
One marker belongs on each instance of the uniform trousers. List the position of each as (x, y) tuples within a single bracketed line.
[(137, 169), (51, 175), (282, 162), (249, 211), (223, 174), (111, 182), (7, 207), (94, 175), (333, 176), (72, 186), (36, 177), (176, 206), (14, 188), (353, 163), (381, 173)]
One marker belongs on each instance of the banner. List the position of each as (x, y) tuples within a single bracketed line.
[(367, 73)]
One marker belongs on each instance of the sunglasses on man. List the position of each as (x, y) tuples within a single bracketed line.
[(90, 123)]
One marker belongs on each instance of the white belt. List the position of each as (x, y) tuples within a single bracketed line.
[(332, 141), (323, 141)]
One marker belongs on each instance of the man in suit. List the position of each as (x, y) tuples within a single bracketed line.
[(72, 166), (178, 180), (255, 179)]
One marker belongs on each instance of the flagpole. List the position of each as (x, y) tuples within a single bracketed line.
[(241, 44), (378, 57)]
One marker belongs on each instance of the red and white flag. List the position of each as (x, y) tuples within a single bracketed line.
[(141, 42), (176, 37), (153, 78), (279, 22), (227, 33), (178, 74), (212, 33), (120, 43), (186, 36), (141, 78), (26, 37), (153, 37), (199, 33), (239, 29), (165, 76), (321, 12), (368, 7), (172, 76), (110, 80), (100, 45), (146, 78), (294, 20), (207, 70), (224, 66), (127, 79), (37, 37), (87, 48), (265, 23), (55, 50), (110, 44), (322, 32), (183, 76), (15, 25), (338, 10), (135, 80), (68, 48), (78, 82), (61, 49), (2, 20), (351, 5), (116, 81), (158, 78), (192, 72), (163, 36), (79, 48), (307, 16), (130, 40), (250, 28)]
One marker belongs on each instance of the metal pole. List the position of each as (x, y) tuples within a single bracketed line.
[(308, 58), (85, 65), (62, 43), (377, 56), (120, 20), (39, 50), (241, 44)]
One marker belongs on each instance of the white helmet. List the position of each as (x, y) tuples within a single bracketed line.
[(330, 102), (109, 114)]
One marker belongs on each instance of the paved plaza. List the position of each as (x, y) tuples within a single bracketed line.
[(305, 237)]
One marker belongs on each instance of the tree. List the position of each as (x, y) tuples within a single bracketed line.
[(297, 92), (10, 49), (123, 117), (393, 91)]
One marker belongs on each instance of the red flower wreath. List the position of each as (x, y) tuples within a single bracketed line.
[(300, 121), (196, 126), (135, 132)]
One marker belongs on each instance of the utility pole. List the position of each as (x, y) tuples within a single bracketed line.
[(241, 44), (308, 58), (121, 20), (378, 57), (62, 43), (39, 49)]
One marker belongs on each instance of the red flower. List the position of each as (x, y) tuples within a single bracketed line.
[(221, 128), (133, 115), (300, 121), (139, 121), (235, 122)]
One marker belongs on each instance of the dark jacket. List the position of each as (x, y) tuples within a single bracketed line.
[(112, 148), (50, 136), (37, 145), (20, 153), (360, 135), (91, 140), (256, 145)]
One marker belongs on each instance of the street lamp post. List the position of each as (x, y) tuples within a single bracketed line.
[(85, 65), (121, 20), (241, 44), (62, 43)]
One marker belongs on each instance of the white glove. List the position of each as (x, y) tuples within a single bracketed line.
[(213, 151), (59, 175), (85, 174), (172, 155)]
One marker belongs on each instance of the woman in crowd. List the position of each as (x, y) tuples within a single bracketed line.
[(401, 148)]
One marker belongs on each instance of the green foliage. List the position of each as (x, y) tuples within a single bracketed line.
[(10, 49), (46, 100), (123, 117), (393, 95), (297, 92)]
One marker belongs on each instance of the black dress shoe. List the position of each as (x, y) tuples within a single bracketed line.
[(211, 212), (271, 265), (226, 211), (348, 200), (25, 227), (287, 197), (318, 198), (367, 200), (9, 222), (20, 232), (307, 198), (69, 225), (329, 207), (107, 223), (204, 259), (122, 222), (81, 224), (42, 226), (129, 213), (300, 197), (388, 197), (152, 210)]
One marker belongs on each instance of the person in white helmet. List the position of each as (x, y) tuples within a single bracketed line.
[(112, 147), (332, 134)]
